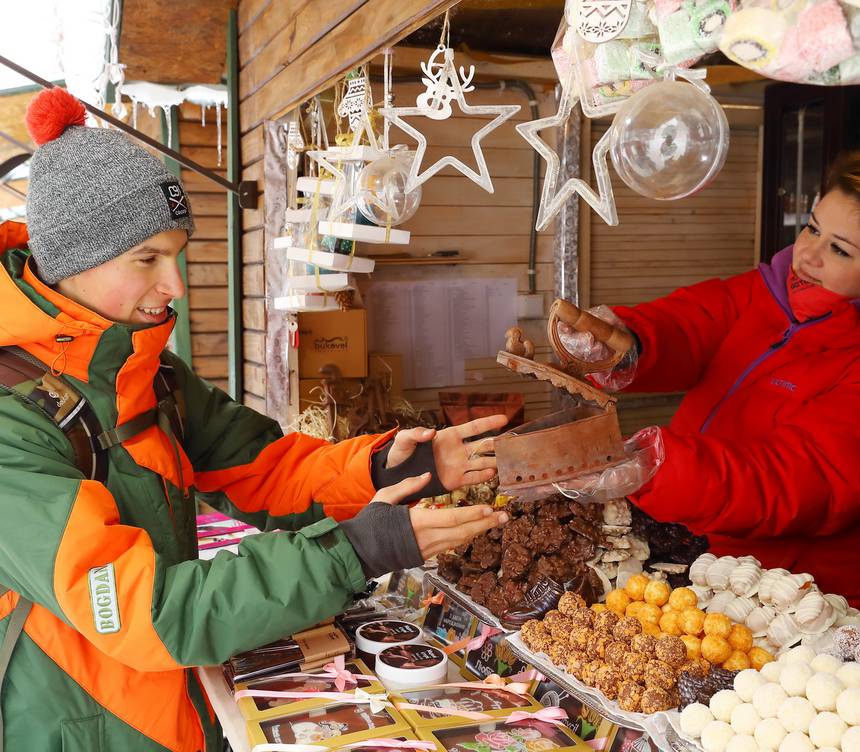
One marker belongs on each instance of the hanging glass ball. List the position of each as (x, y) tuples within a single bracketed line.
[(381, 190), (669, 140)]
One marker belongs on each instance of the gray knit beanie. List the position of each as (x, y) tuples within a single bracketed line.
[(93, 194)]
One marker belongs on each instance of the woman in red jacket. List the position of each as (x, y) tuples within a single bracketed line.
[(763, 454)]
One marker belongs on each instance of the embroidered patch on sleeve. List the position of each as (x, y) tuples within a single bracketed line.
[(103, 599), (177, 201)]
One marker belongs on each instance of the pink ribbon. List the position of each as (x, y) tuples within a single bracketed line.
[(494, 681), (546, 715), (529, 675), (486, 633), (376, 702), (386, 743), (336, 671), (469, 714)]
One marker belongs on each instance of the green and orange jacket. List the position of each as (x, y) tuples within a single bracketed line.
[(122, 605)]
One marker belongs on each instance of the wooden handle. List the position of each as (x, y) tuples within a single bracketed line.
[(617, 340)]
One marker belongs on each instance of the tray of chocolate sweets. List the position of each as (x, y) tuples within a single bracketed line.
[(458, 596)]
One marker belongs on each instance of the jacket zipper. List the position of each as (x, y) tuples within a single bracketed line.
[(786, 336)]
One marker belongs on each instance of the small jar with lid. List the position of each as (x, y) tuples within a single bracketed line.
[(375, 636), (402, 667)]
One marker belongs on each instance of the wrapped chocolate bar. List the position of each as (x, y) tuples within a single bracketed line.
[(334, 725), (263, 698), (305, 650)]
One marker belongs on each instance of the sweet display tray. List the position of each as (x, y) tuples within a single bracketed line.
[(662, 728), (451, 590)]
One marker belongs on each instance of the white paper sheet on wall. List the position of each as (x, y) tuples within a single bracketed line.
[(437, 325)]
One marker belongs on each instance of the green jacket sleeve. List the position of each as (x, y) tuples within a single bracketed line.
[(237, 451), (64, 545)]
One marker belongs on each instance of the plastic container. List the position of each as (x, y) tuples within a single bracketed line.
[(375, 636), (402, 667)]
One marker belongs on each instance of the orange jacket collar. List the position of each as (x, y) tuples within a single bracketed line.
[(68, 339)]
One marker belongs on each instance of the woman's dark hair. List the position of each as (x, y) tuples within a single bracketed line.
[(844, 174)]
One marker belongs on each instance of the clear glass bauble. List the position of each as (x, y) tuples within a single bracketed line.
[(669, 140), (381, 194)]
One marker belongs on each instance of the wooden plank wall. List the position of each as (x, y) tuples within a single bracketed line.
[(207, 250), (659, 246), (491, 231), (288, 51)]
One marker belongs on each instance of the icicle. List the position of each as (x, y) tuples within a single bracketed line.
[(203, 115), (134, 113), (165, 108), (218, 121)]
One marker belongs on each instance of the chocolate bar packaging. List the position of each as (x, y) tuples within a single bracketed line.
[(493, 702), (305, 650), (333, 725), (529, 735), (313, 681)]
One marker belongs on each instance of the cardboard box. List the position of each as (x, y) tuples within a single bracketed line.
[(309, 394), (260, 708), (333, 725), (528, 734), (496, 703), (333, 337)]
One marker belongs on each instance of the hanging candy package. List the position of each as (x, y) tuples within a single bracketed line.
[(614, 56), (804, 41)]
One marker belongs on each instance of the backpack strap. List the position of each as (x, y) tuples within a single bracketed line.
[(57, 399), (14, 628)]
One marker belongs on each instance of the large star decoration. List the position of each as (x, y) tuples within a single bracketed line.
[(449, 79), (554, 197), (344, 199)]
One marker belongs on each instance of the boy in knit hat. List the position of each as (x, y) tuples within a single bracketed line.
[(103, 602)]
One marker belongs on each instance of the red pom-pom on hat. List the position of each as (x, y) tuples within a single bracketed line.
[(51, 112)]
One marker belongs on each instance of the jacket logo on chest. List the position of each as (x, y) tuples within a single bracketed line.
[(103, 599), (783, 384)]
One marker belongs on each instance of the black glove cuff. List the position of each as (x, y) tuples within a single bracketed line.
[(383, 539), (421, 461)]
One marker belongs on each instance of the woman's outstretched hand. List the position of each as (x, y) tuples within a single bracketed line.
[(459, 461)]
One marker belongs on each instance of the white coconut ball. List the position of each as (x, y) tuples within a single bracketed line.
[(744, 719), (825, 664), (851, 740), (742, 743), (794, 677), (827, 749), (848, 706), (802, 653), (769, 733), (796, 742), (768, 698), (822, 691), (848, 674), (748, 681), (716, 736), (723, 703), (795, 714), (826, 730), (694, 718), (772, 671)]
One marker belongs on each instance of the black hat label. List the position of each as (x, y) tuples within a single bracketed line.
[(177, 201)]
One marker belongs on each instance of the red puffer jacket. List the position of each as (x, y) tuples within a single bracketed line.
[(763, 455)]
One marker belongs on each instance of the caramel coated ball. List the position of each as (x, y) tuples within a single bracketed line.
[(570, 602), (692, 621), (693, 645), (657, 592), (717, 625), (670, 623), (635, 587), (715, 649), (737, 661), (740, 638), (759, 657), (671, 650), (617, 601), (682, 598)]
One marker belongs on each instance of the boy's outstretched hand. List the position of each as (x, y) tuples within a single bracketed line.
[(459, 461), (438, 530)]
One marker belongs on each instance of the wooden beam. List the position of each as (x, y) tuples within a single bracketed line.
[(234, 216), (370, 29)]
